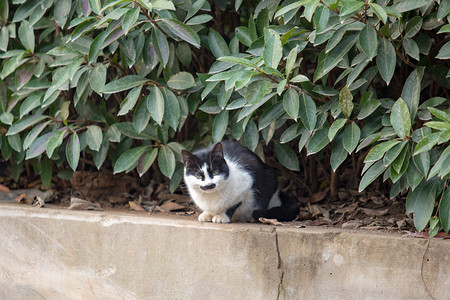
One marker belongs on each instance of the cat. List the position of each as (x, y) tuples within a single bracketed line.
[(230, 183)]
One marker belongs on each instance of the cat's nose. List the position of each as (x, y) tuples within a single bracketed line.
[(208, 187)]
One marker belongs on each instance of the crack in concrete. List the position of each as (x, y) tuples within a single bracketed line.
[(281, 291), (422, 267)]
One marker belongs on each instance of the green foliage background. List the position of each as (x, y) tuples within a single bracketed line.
[(128, 84)]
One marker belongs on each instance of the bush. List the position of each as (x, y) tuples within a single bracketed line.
[(121, 79)]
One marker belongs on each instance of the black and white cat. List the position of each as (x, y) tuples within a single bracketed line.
[(231, 183)]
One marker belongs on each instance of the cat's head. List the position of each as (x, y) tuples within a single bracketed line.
[(205, 170)]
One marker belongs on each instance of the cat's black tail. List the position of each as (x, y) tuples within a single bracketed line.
[(288, 211)]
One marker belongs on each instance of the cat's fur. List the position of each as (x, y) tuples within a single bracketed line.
[(231, 183)]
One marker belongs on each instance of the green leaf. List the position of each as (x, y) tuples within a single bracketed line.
[(171, 108), (124, 83), (335, 56), (163, 4), (320, 19), (100, 156), (96, 6), (161, 46), (166, 161), (200, 19), (220, 125), (30, 103), (61, 12), (291, 103), (411, 91), (243, 35), (26, 35), (335, 127), (130, 101), (427, 143), (55, 141), (97, 78), (413, 26), (346, 101), (338, 153), (181, 81), (379, 11), (318, 141), (94, 137), (438, 125), (308, 111), (146, 160), (422, 162), (155, 104), (238, 60), (129, 158), (4, 37), (376, 170), (46, 172), (421, 203), (400, 118), (272, 114), (130, 19), (368, 41), (73, 151), (408, 5), (441, 115), (444, 210), (393, 153), (24, 123), (290, 61), (196, 6), (256, 91), (287, 156), (32, 135), (251, 135), (4, 10), (377, 152), (183, 32), (273, 50), (217, 44), (96, 47), (386, 60), (350, 137), (141, 117), (15, 142), (290, 7), (350, 8), (444, 52), (411, 48), (38, 146)]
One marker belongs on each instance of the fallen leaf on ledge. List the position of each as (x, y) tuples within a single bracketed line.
[(270, 221)]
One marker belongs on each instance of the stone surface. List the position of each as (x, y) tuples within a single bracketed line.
[(61, 254)]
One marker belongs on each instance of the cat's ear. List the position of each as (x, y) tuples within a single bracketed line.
[(187, 157), (217, 151)]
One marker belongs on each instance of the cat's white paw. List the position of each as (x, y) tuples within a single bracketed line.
[(221, 219), (205, 217)]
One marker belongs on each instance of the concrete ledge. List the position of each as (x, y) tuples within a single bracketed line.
[(61, 254)]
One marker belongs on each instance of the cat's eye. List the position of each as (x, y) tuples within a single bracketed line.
[(215, 173), (199, 176)]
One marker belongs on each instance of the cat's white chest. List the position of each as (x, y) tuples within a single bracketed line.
[(236, 188)]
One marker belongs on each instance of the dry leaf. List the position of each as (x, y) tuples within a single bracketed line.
[(270, 221), (373, 212), (135, 206), (319, 196), (77, 203), (4, 188), (171, 206)]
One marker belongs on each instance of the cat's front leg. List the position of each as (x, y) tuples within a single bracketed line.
[(223, 218), (205, 217)]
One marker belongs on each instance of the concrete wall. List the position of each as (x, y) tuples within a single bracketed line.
[(60, 254)]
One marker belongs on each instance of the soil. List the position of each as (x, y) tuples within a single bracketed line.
[(370, 210)]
